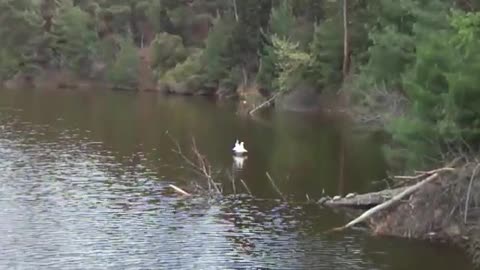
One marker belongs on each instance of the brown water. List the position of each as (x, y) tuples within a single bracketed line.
[(85, 175)]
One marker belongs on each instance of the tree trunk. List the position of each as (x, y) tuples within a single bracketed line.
[(346, 47), (235, 11), (134, 25), (341, 166), (47, 10)]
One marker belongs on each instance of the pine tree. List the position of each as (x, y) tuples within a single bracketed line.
[(442, 86), (282, 23), (21, 32), (123, 72), (76, 38)]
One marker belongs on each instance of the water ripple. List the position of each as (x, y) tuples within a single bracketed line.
[(69, 202)]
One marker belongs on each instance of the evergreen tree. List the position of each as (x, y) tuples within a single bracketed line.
[(216, 56), (21, 32), (124, 70), (76, 39), (282, 22), (442, 86)]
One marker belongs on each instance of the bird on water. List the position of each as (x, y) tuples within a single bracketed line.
[(239, 148)]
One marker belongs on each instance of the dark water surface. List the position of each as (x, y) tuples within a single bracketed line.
[(84, 185)]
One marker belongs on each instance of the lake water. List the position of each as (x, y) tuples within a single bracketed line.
[(85, 177)]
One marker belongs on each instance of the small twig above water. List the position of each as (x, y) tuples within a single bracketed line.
[(232, 179), (275, 186), (246, 187), (422, 174), (204, 167), (200, 165), (467, 200), (179, 190)]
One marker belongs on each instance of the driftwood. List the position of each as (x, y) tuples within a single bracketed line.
[(467, 201), (246, 187), (422, 174), (275, 186), (365, 200), (179, 190), (388, 203), (264, 104)]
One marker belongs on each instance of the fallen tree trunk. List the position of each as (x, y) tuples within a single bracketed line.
[(435, 207), (369, 200), (365, 201), (266, 103), (388, 203)]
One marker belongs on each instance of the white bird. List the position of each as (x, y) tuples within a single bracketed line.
[(239, 148)]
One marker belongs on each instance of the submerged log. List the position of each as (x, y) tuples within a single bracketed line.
[(365, 201)]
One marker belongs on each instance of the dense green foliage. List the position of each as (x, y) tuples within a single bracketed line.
[(74, 37), (442, 84), (123, 71), (426, 50)]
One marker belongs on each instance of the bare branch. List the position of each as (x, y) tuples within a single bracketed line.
[(246, 187), (179, 190), (275, 186), (467, 200), (200, 165)]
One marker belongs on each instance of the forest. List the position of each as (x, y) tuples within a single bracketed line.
[(420, 58)]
